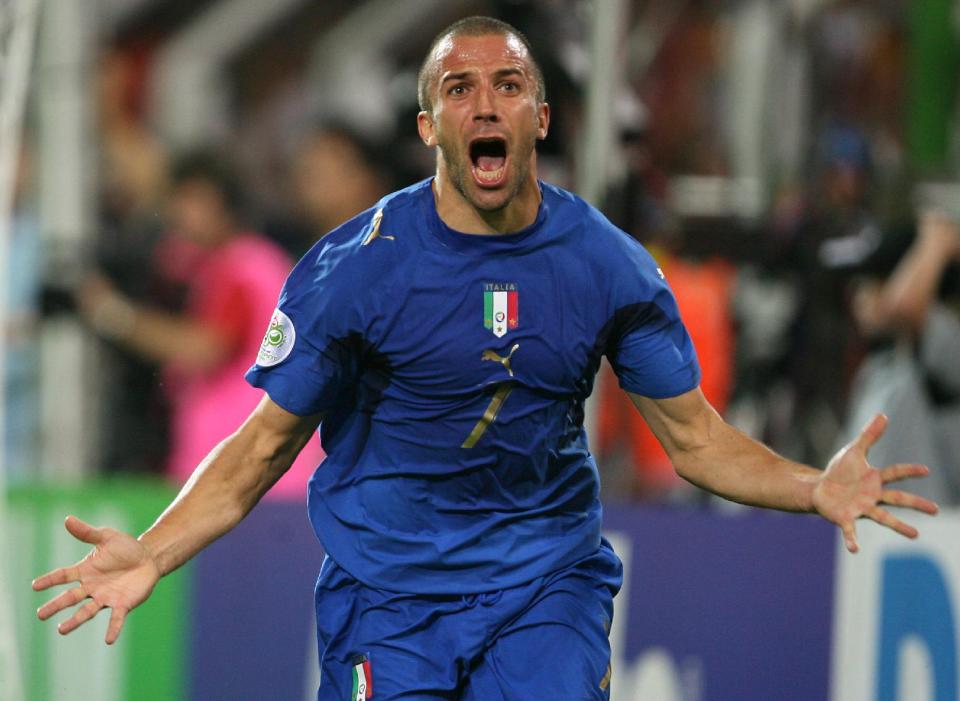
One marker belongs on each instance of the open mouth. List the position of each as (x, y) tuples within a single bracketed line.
[(489, 158)]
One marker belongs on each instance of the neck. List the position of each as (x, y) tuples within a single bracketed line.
[(457, 212)]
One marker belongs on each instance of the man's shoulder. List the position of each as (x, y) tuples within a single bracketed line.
[(595, 233), (564, 202), (403, 204), (367, 247)]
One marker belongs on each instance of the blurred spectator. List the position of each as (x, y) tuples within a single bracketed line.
[(336, 176), (232, 278), (703, 290), (135, 168), (683, 92), (911, 374), (857, 52), (811, 236), (22, 278), (635, 201), (840, 219)]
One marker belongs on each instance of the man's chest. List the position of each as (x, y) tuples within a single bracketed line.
[(457, 326)]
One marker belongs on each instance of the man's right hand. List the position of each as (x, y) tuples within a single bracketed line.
[(119, 573)]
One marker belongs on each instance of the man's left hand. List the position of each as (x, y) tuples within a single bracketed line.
[(851, 488)]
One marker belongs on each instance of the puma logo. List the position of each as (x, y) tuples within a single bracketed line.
[(505, 362), (375, 230)]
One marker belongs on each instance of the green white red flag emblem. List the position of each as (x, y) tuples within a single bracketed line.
[(362, 679), (501, 307)]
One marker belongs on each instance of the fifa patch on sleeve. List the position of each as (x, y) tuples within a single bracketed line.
[(278, 341)]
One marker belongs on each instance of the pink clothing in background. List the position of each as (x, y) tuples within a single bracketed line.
[(234, 289)]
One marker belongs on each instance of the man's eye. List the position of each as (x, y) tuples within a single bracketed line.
[(509, 87), (458, 90)]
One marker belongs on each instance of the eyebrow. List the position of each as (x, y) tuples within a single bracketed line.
[(455, 76), (502, 73)]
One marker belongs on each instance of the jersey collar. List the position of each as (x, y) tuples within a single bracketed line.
[(482, 243)]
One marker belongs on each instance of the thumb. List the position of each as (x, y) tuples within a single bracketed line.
[(83, 531), (872, 432)]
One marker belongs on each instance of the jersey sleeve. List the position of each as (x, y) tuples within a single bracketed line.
[(649, 347), (310, 354)]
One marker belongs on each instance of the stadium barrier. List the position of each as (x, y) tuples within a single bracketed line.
[(748, 605), (148, 661)]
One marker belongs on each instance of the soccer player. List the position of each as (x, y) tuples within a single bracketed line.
[(447, 339)]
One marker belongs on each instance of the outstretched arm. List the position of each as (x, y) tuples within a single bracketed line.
[(712, 454), (120, 572)]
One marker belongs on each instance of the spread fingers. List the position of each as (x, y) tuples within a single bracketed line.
[(895, 473), (895, 497), (83, 614), (885, 518), (65, 600)]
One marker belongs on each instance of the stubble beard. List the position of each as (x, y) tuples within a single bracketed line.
[(458, 172)]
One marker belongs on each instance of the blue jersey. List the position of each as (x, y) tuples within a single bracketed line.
[(452, 370)]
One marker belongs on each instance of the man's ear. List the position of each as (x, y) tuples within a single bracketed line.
[(543, 120), (425, 127)]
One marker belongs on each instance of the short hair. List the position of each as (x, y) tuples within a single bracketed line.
[(474, 27), (215, 169), (369, 151)]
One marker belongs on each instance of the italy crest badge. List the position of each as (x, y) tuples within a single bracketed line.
[(501, 307)]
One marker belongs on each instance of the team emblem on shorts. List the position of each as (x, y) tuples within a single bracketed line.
[(501, 310), (362, 679), (278, 341)]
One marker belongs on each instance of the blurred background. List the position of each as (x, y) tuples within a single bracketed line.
[(794, 166)]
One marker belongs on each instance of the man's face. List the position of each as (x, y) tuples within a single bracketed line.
[(334, 181), (326, 170), (197, 212), (486, 118)]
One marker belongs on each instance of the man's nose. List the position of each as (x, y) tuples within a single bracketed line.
[(485, 106)]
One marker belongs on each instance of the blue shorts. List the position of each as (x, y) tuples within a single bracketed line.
[(546, 639)]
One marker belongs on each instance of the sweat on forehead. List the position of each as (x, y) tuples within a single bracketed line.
[(446, 45), (445, 42)]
